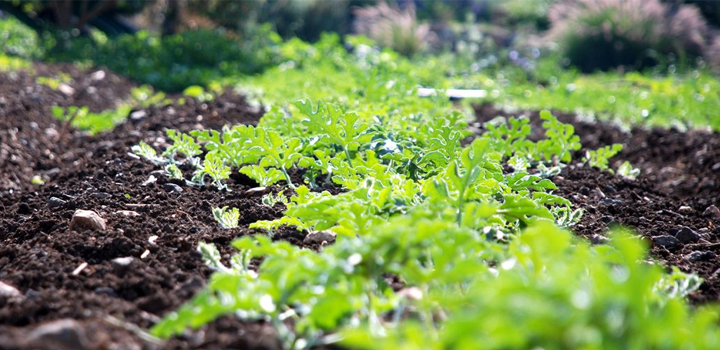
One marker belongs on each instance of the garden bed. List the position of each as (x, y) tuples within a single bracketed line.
[(159, 224)]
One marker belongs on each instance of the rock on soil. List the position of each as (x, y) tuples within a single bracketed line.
[(712, 212), (87, 220), (65, 334), (320, 237), (8, 292), (687, 235)]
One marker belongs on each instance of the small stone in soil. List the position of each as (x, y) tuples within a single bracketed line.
[(55, 202), (701, 256), (127, 213), (712, 212), (150, 180), (171, 187), (122, 264), (318, 237), (598, 239), (62, 334), (256, 190), (87, 219), (687, 235), (9, 292), (138, 115), (102, 195), (608, 201), (105, 290), (685, 209), (666, 241)]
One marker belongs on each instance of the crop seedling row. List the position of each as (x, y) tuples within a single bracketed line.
[(472, 242)]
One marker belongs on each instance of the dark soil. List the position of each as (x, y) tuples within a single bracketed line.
[(679, 180), (108, 303), (38, 253)]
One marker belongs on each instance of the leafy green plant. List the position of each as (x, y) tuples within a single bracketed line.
[(626, 170), (54, 83), (182, 144), (271, 199), (213, 166), (174, 172), (600, 158), (226, 218), (82, 118), (332, 126), (146, 151), (198, 93)]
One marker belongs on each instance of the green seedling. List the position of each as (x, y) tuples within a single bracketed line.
[(626, 170), (213, 166), (271, 199), (600, 158), (228, 219), (146, 151)]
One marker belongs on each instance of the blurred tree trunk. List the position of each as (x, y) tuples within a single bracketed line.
[(172, 17), (62, 10)]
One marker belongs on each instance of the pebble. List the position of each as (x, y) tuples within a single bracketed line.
[(171, 187), (598, 239), (122, 264), (319, 237), (64, 334), (98, 75), (138, 115), (9, 292), (701, 256), (687, 235), (55, 202), (712, 212), (87, 219), (102, 195), (105, 290), (685, 209), (256, 190), (666, 241), (610, 189), (608, 201), (150, 180), (127, 213), (66, 89)]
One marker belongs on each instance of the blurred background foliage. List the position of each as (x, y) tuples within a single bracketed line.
[(171, 44)]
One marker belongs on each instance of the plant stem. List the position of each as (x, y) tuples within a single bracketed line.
[(287, 177), (347, 154)]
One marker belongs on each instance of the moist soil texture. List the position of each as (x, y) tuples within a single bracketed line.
[(63, 288)]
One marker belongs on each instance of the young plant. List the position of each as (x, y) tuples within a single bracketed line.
[(174, 172), (146, 151), (560, 140), (626, 170), (183, 144), (600, 158), (271, 199), (215, 168), (330, 125), (228, 219)]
